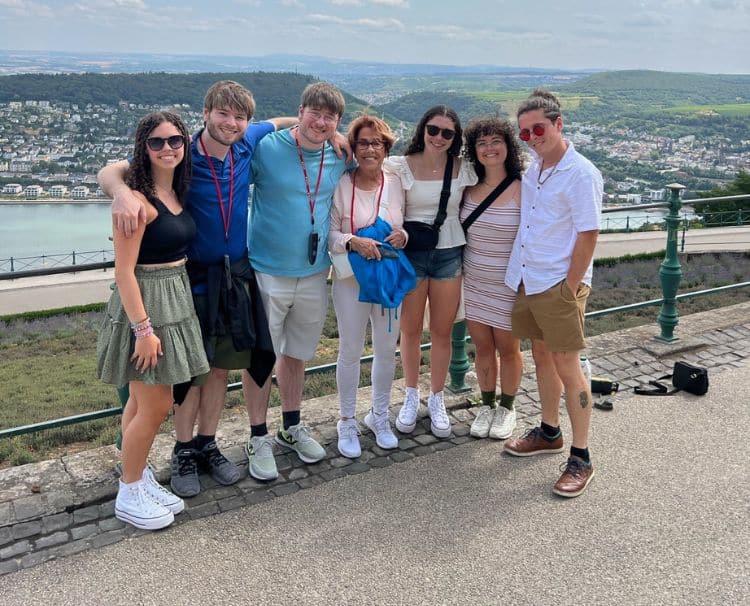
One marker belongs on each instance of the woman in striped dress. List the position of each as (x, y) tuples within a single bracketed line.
[(491, 146)]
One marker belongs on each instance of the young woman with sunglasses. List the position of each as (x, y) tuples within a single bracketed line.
[(437, 137), (150, 337)]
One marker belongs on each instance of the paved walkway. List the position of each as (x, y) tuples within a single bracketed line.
[(450, 521)]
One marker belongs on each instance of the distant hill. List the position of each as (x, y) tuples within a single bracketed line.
[(276, 94), (663, 88), (410, 108)]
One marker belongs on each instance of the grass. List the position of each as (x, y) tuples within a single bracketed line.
[(732, 110), (48, 360)]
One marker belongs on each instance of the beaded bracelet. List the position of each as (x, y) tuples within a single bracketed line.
[(142, 329)]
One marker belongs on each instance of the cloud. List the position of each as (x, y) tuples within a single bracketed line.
[(345, 2), (393, 3), (22, 8), (647, 19), (291, 3), (387, 23)]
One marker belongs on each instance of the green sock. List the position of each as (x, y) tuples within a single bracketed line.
[(506, 401), (488, 398)]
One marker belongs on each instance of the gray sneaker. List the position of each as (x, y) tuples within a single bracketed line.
[(184, 481), (298, 439), (260, 461), (218, 466)]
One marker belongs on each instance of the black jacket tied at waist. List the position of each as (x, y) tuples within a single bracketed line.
[(235, 310)]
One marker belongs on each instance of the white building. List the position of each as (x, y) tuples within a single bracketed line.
[(32, 192), (80, 192), (12, 188), (58, 191)]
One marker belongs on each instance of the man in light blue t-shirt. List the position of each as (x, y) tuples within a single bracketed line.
[(295, 173)]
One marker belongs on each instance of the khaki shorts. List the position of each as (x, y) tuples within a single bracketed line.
[(554, 316), (296, 310)]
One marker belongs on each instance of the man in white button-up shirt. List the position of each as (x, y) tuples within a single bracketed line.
[(550, 269)]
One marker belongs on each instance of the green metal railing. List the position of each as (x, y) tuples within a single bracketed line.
[(670, 274)]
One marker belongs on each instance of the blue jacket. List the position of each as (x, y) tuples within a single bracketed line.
[(387, 281)]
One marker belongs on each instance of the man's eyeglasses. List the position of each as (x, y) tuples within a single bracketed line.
[(316, 115), (157, 143), (365, 143), (525, 134), (433, 131)]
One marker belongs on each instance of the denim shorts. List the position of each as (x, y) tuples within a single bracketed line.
[(437, 264)]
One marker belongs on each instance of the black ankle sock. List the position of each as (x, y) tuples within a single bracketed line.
[(506, 401), (178, 446), (488, 398), (581, 453), (200, 441), (550, 433), (290, 417), (258, 430)]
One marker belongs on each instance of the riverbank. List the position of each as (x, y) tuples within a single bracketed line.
[(8, 201)]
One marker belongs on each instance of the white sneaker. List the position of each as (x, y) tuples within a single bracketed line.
[(160, 494), (440, 424), (348, 445), (406, 420), (135, 507), (480, 428), (380, 425), (503, 424), (261, 463)]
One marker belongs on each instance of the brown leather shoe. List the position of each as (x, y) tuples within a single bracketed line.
[(576, 475), (533, 442)]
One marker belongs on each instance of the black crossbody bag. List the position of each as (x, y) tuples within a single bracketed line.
[(503, 185), (424, 236), (685, 377)]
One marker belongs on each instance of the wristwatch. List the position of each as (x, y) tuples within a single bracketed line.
[(348, 245)]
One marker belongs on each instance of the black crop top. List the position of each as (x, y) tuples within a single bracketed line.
[(167, 237)]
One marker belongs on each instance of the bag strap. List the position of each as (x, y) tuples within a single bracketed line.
[(444, 194), (660, 388), (504, 184)]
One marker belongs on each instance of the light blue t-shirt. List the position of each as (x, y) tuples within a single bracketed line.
[(279, 228)]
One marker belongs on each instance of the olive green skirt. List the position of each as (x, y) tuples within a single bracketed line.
[(169, 303)]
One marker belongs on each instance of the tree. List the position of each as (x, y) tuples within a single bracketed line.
[(710, 212)]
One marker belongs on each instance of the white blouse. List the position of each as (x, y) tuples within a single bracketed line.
[(422, 198)]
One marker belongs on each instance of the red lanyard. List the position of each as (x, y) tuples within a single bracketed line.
[(311, 198), (354, 187), (226, 215)]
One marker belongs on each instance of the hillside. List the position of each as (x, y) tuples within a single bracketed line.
[(277, 94), (643, 87)]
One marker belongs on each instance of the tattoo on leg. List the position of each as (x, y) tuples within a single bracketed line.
[(583, 399)]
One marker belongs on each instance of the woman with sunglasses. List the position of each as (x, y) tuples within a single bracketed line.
[(150, 337), (363, 196), (437, 138), (491, 146)]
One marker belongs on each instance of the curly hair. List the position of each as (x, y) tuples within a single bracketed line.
[(417, 141), (482, 127), (379, 126), (139, 176), (544, 100)]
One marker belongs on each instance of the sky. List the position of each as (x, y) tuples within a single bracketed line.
[(711, 36)]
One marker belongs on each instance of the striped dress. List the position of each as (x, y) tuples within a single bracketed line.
[(486, 255)]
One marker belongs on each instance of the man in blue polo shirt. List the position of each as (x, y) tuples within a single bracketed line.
[(295, 173), (233, 321)]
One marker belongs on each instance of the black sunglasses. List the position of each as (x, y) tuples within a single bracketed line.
[(157, 143), (433, 131)]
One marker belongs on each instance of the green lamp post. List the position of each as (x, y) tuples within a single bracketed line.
[(670, 272), (459, 360)]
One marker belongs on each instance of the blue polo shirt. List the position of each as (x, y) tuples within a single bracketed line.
[(279, 230), (210, 243)]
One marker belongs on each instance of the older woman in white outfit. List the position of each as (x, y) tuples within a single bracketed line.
[(360, 198), (437, 137)]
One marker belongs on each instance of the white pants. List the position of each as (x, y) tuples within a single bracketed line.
[(352, 317)]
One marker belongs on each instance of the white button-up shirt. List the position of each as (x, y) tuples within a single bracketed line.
[(556, 206)]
